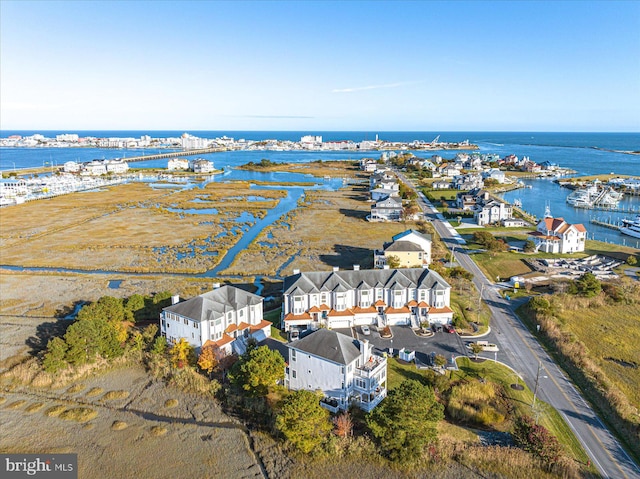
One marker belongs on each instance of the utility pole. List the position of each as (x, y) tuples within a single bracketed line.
[(535, 390)]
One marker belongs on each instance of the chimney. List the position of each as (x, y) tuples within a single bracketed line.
[(335, 269), (365, 350), (296, 271), (356, 267), (175, 299), (216, 285)]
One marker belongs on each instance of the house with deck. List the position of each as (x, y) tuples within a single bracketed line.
[(387, 209), (411, 248), (345, 369), (381, 297), (555, 235), (224, 318)]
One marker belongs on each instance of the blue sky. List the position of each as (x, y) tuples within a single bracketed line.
[(418, 66)]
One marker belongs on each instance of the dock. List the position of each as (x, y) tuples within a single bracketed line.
[(605, 224)]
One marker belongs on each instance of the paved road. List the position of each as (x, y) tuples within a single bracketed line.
[(520, 350)]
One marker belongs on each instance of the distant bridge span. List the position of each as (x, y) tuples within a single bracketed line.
[(173, 154)]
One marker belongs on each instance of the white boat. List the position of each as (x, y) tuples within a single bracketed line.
[(595, 196), (631, 227)]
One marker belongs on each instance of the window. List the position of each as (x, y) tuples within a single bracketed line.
[(341, 303), (324, 298), (365, 302), (298, 305), (163, 323), (293, 355), (293, 374), (241, 313), (186, 321), (342, 369), (195, 325)]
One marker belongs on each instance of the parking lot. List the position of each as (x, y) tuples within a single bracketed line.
[(446, 344)]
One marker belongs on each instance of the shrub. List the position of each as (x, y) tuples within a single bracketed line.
[(536, 440)]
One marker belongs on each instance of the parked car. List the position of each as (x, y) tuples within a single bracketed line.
[(365, 330), (294, 334), (449, 329)]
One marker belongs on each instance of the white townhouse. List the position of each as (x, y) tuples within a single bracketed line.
[(342, 299), (71, 167), (555, 235), (94, 168), (413, 250), (386, 209), (491, 212), (175, 164), (117, 166), (344, 369), (224, 317), (200, 165)]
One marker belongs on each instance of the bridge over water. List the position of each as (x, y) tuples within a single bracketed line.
[(173, 154)]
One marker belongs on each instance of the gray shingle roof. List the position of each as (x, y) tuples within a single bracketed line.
[(215, 304), (330, 345), (403, 246), (380, 278)]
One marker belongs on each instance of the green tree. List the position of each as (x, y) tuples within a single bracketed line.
[(257, 370), (159, 345), (529, 246), (302, 421), (476, 349), (631, 260), (86, 339), (107, 307), (587, 285), (440, 360), (405, 421), (54, 358), (393, 261)]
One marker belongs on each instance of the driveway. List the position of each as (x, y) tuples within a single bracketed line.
[(445, 344)]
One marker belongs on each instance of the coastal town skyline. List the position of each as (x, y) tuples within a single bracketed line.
[(417, 66)]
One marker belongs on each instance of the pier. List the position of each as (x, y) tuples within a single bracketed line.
[(605, 224), (173, 154)]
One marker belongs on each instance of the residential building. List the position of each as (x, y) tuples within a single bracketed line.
[(178, 164), (200, 165), (117, 166), (342, 299), (491, 212), (555, 235), (94, 168), (495, 174), (344, 369), (224, 317), (413, 250), (71, 167), (387, 209)]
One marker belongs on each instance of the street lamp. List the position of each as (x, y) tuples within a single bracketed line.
[(535, 390)]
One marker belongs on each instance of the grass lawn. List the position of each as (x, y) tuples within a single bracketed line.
[(437, 195), (274, 317), (522, 401)]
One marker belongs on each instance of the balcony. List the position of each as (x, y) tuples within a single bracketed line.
[(330, 404), (372, 400), (371, 367)]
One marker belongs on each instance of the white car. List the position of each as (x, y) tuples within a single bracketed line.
[(365, 330)]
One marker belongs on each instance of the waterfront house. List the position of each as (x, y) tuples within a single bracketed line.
[(494, 174), (555, 235), (71, 167), (345, 369), (387, 209), (94, 168), (342, 299), (175, 164), (413, 250), (467, 182), (117, 166), (492, 212), (224, 318), (200, 165)]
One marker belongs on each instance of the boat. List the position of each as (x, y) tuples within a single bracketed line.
[(594, 196), (631, 227)]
